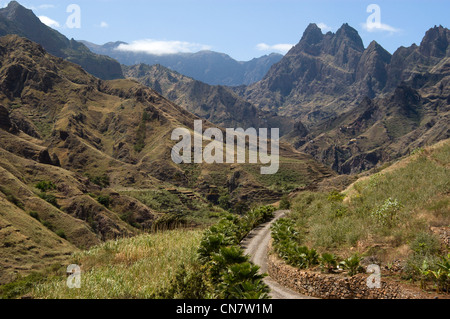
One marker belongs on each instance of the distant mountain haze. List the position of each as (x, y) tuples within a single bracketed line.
[(207, 66)]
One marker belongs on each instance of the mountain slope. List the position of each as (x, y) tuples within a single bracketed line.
[(357, 107), (217, 104), (207, 66), (15, 19), (321, 76)]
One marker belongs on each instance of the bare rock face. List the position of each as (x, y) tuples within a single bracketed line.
[(359, 106), (5, 122), (435, 43)]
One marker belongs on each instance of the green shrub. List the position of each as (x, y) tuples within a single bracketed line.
[(240, 208), (35, 215), (285, 204), (51, 199), (426, 244), (243, 281), (424, 260), (104, 200), (387, 214), (49, 225), (101, 180), (45, 186), (21, 286), (129, 219), (336, 196), (61, 234), (283, 230), (189, 283), (225, 202), (231, 274), (14, 200)]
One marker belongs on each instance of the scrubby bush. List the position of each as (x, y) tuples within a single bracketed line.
[(51, 199), (426, 244), (387, 214), (45, 186), (61, 234), (48, 225), (188, 283), (99, 180), (285, 204), (225, 202), (104, 200), (335, 196), (425, 265), (35, 215)]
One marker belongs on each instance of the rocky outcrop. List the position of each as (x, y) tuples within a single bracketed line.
[(5, 122)]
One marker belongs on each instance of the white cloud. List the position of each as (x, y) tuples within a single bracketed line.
[(282, 47), (160, 47), (324, 27), (104, 25), (379, 27), (49, 22)]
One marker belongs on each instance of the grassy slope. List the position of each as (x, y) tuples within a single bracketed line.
[(127, 268), (419, 183)]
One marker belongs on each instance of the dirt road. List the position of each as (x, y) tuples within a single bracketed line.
[(256, 245)]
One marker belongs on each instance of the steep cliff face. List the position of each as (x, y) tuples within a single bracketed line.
[(320, 69), (359, 106)]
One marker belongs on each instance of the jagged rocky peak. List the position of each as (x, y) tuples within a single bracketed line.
[(374, 57), (374, 46), (435, 43), (312, 34), (15, 10), (350, 36)]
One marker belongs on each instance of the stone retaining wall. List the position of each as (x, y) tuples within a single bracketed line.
[(328, 286)]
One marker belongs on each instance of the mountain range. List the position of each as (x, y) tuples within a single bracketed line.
[(216, 103), (356, 108), (16, 19), (206, 66), (351, 107), (85, 160)]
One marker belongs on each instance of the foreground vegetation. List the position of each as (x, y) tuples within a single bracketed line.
[(384, 218), (221, 269), (192, 264), (127, 268)]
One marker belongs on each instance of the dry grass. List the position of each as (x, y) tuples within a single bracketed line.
[(128, 268)]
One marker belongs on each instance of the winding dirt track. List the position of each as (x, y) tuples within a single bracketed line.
[(257, 245)]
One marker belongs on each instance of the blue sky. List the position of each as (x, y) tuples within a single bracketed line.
[(243, 29)]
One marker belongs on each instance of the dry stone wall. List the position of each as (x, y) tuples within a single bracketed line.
[(328, 286)]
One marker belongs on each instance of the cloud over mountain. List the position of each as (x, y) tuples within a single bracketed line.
[(160, 47)]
